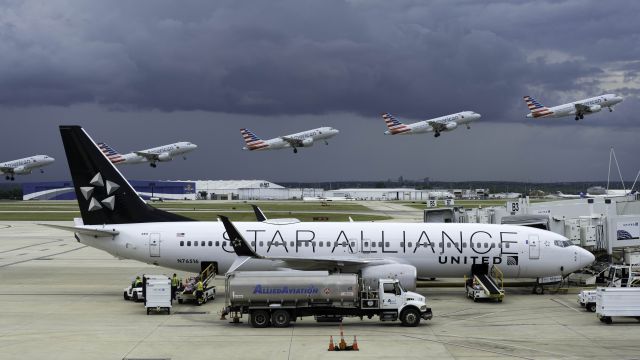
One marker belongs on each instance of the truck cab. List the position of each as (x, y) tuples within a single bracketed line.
[(395, 302)]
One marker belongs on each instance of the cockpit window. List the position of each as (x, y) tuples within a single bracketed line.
[(562, 243)]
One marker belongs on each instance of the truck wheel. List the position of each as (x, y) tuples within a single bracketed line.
[(259, 318), (591, 307), (410, 317), (180, 301), (538, 290), (280, 318), (147, 311), (126, 296), (607, 320)]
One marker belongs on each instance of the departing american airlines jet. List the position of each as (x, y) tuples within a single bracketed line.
[(578, 108), (436, 125), (24, 166), (152, 156), (115, 219), (295, 141)]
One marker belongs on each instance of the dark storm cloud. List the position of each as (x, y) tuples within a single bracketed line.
[(138, 74), (303, 57)]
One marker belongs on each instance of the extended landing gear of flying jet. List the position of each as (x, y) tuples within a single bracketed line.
[(9, 177), (437, 134), (579, 117)]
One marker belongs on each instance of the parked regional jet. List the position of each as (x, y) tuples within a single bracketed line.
[(24, 166), (578, 108), (295, 141), (116, 220), (152, 156), (436, 125)]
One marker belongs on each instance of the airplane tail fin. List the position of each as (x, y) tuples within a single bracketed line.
[(104, 195), (114, 156), (394, 125), (252, 140), (536, 108)]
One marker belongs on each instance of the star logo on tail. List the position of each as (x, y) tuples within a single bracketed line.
[(109, 187)]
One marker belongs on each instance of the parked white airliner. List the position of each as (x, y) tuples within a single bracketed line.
[(295, 141), (24, 166), (116, 220), (436, 125), (152, 156), (578, 108)]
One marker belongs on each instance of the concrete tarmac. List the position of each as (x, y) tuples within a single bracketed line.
[(62, 300)]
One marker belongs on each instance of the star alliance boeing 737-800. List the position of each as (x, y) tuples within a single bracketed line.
[(116, 220)]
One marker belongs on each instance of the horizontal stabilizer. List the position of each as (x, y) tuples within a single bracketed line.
[(85, 231)]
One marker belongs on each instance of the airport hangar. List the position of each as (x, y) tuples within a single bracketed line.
[(244, 190)]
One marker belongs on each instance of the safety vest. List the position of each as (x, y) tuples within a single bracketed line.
[(199, 286), (174, 281)]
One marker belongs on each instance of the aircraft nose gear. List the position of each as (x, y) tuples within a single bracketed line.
[(436, 134), (468, 127), (295, 151), (326, 142)]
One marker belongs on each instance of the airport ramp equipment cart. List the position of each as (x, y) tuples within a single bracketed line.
[(616, 276), (134, 293), (484, 284), (615, 301), (188, 291), (157, 293)]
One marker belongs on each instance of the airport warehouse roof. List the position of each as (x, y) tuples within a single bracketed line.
[(234, 184)]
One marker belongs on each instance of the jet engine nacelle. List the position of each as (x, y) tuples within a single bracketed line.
[(450, 126), (307, 142), (21, 170), (164, 157), (407, 274), (595, 108)]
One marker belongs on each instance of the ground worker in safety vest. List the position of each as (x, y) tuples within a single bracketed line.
[(137, 282), (199, 289), (174, 286)]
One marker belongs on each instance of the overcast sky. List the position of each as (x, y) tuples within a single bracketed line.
[(138, 74)]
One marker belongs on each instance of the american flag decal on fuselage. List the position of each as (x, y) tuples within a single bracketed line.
[(111, 153), (395, 126), (253, 142), (537, 109)]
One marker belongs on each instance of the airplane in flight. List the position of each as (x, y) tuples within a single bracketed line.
[(115, 219), (24, 166), (152, 156), (436, 125), (295, 141), (578, 108)]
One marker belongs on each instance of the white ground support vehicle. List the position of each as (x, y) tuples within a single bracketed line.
[(133, 292), (616, 276), (612, 302), (587, 299), (189, 294), (278, 297), (157, 293)]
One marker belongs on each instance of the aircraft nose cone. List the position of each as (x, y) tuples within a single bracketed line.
[(586, 258)]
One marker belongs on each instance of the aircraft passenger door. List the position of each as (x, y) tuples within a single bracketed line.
[(154, 245), (534, 247)]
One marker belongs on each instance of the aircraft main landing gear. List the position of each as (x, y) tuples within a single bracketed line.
[(437, 134), (610, 109), (326, 142), (153, 165), (295, 151)]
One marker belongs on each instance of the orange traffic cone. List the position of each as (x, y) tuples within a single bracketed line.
[(355, 344), (331, 346), (343, 344)]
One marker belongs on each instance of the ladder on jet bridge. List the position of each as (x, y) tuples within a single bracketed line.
[(485, 285)]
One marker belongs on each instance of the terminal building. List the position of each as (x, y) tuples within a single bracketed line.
[(63, 190)]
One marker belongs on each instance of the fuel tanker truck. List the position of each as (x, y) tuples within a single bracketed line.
[(276, 298)]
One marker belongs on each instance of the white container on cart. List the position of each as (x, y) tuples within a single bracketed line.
[(157, 293)]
